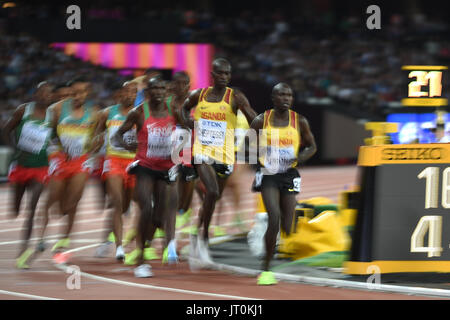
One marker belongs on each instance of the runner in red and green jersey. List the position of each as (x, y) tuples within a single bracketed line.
[(28, 171)]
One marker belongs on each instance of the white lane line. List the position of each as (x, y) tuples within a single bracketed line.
[(24, 295), (52, 237), (58, 224), (146, 286)]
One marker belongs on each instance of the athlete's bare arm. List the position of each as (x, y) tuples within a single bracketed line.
[(176, 111), (54, 145), (98, 140), (240, 102), (134, 118), (189, 103), (257, 124), (11, 124), (308, 141)]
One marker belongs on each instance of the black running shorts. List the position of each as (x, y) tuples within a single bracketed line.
[(287, 182)]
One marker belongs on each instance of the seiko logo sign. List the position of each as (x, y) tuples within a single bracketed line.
[(412, 154)]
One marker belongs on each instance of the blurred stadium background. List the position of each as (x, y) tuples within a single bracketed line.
[(342, 73)]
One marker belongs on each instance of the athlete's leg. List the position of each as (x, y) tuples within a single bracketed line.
[(170, 210), (271, 198), (114, 187), (145, 185), (55, 189), (212, 193), (19, 191), (287, 203), (75, 188), (36, 189)]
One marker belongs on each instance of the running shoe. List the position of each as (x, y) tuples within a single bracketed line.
[(61, 244), (111, 237), (192, 230), (21, 262), (266, 278), (60, 257), (120, 254), (219, 231), (150, 254), (143, 271), (132, 257), (159, 234), (182, 219), (41, 246), (103, 250), (203, 252), (170, 255)]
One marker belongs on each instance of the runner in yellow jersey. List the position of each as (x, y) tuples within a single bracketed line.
[(119, 184), (284, 133), (213, 152)]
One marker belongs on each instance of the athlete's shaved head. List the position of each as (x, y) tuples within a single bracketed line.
[(155, 81), (280, 86), (156, 89), (221, 72), (181, 74), (282, 96), (221, 63)]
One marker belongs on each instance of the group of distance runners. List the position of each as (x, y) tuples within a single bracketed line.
[(61, 140)]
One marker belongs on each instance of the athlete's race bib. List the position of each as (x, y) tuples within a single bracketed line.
[(33, 137), (297, 183), (73, 145), (130, 137), (212, 133), (159, 143), (279, 159)]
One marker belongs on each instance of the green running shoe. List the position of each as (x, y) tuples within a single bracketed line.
[(150, 254), (159, 234), (182, 219), (219, 231), (132, 258), (111, 237), (190, 230), (266, 278), (61, 244), (21, 262)]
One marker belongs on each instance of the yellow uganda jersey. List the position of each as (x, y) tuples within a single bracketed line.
[(279, 146), (214, 129)]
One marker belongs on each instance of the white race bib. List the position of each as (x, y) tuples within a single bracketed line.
[(159, 143), (129, 137), (73, 145), (33, 137), (212, 133), (279, 159)]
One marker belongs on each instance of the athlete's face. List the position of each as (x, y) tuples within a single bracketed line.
[(221, 75), (157, 91), (80, 91), (128, 94), (282, 97), (62, 93), (44, 94), (181, 85)]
